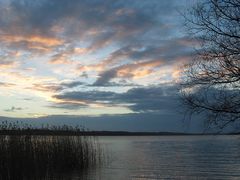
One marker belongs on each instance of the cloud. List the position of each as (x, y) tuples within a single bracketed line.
[(87, 96), (72, 84), (6, 64), (24, 81), (151, 98), (64, 56), (50, 23), (155, 98), (79, 49), (13, 109), (139, 31), (47, 87), (27, 99), (32, 43), (60, 59), (137, 61), (121, 83), (45, 41), (167, 50), (134, 70), (68, 105), (4, 84), (55, 87)]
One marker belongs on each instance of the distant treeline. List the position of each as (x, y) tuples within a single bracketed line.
[(20, 128), (43, 132)]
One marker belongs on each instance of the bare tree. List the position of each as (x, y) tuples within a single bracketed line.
[(211, 82)]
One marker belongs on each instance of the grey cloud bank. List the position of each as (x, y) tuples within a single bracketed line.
[(156, 98)]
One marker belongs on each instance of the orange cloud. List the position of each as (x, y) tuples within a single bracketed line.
[(80, 50), (60, 59), (64, 56), (176, 74), (93, 67), (39, 48), (40, 86), (46, 87), (46, 41), (4, 64), (15, 53), (138, 70)]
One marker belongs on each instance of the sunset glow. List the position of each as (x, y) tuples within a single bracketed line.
[(90, 57)]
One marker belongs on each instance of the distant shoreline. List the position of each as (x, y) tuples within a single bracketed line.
[(102, 133)]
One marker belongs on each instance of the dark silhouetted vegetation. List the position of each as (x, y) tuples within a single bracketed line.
[(212, 80), (24, 155)]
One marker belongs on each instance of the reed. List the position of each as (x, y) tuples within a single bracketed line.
[(25, 156)]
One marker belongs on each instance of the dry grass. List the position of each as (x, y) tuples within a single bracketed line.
[(27, 156)]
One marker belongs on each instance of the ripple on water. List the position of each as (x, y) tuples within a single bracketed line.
[(171, 157)]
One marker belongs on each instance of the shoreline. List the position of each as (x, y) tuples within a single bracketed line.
[(102, 133)]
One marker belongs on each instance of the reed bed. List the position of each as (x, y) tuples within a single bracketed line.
[(24, 156)]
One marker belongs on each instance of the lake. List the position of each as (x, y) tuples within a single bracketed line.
[(170, 157)]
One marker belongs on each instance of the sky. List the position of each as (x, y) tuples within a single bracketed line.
[(94, 60)]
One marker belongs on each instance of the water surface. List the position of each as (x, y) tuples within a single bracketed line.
[(170, 157)]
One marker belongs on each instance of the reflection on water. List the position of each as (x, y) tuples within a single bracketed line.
[(170, 157)]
